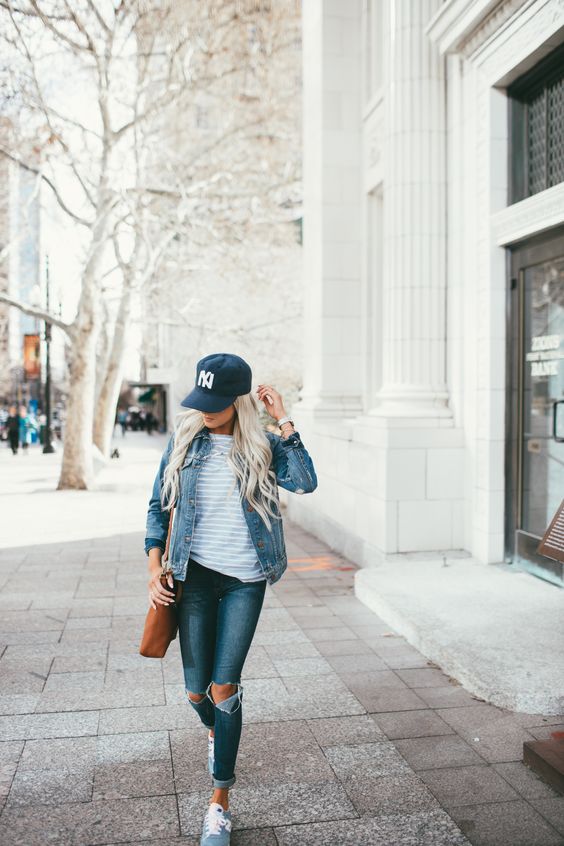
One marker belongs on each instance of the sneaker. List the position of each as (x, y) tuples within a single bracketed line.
[(210, 752), (217, 826)]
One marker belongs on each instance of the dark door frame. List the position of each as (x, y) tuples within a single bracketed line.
[(533, 251)]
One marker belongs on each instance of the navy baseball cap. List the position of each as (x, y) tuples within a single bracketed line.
[(220, 378)]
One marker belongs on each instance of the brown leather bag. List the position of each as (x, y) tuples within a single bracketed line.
[(161, 623)]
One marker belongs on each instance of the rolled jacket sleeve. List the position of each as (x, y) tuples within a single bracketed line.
[(292, 464)]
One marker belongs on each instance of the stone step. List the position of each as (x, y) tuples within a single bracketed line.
[(546, 758)]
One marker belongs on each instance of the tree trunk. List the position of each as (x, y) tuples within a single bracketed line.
[(109, 393), (77, 470)]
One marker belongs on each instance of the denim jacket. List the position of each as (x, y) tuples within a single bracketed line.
[(294, 471)]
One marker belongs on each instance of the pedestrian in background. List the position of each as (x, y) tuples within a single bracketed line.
[(221, 472), (122, 420), (26, 427), (13, 429)]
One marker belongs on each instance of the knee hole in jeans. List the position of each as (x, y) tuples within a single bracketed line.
[(195, 697), (228, 696)]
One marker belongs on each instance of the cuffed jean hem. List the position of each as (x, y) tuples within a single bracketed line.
[(216, 782)]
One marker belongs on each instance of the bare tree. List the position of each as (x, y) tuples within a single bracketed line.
[(111, 97)]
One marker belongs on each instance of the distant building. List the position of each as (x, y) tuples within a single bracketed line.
[(433, 399), (20, 348)]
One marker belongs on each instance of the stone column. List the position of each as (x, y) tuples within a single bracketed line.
[(414, 296), (332, 201)]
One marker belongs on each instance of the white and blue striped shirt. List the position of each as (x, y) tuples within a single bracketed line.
[(221, 539)]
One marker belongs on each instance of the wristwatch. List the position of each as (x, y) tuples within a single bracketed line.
[(283, 420)]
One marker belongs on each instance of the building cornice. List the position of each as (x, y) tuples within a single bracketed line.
[(459, 21), (529, 217)]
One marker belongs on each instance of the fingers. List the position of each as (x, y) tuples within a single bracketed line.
[(158, 594)]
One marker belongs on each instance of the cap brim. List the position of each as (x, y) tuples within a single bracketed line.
[(204, 401)]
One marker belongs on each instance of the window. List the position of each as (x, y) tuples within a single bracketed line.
[(537, 128)]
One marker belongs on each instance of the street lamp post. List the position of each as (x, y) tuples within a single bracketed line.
[(47, 445)]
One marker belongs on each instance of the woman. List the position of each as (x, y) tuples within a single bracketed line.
[(221, 471)]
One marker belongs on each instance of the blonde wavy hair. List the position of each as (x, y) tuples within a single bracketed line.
[(250, 457)]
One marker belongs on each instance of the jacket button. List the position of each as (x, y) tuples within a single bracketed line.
[(250, 508), (187, 537), (261, 544), (191, 501)]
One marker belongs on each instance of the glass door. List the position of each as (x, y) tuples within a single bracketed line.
[(538, 398)]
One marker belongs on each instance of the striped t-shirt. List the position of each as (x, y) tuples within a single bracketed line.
[(221, 539)]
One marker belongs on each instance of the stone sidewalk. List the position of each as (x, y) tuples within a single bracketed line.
[(350, 738)]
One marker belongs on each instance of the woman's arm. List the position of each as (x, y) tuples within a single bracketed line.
[(292, 463), (157, 518)]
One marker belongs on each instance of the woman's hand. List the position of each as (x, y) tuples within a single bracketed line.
[(157, 593), (272, 401)]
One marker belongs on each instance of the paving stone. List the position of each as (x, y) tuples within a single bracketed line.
[(287, 804), (302, 666), (297, 697), (72, 753), (523, 779), (18, 703), (457, 785), (400, 660), (343, 647), (345, 664), (428, 828), (258, 664), (418, 678), (505, 824), (552, 809), (12, 683), (253, 837), (365, 683), (126, 781), (133, 747), (78, 663), (337, 633), (337, 731), (365, 760), (277, 753), (491, 733), (311, 612), (88, 623), (425, 753), (69, 724), (453, 696), (326, 621), (389, 699), (83, 698), (50, 787), (424, 723), (146, 718), (92, 823), (92, 679), (10, 751), (391, 794), (292, 650), (265, 637)]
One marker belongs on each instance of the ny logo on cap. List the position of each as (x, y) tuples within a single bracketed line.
[(205, 379)]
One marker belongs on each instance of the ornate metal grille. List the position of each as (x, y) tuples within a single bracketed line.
[(538, 128)]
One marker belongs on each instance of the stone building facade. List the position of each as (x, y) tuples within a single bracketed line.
[(434, 276)]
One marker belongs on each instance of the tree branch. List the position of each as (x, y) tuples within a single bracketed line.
[(36, 311)]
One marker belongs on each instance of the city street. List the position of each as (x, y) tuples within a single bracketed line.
[(351, 737)]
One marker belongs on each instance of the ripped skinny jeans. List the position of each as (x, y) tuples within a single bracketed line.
[(217, 618)]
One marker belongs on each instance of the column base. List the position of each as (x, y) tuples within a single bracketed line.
[(406, 402)]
